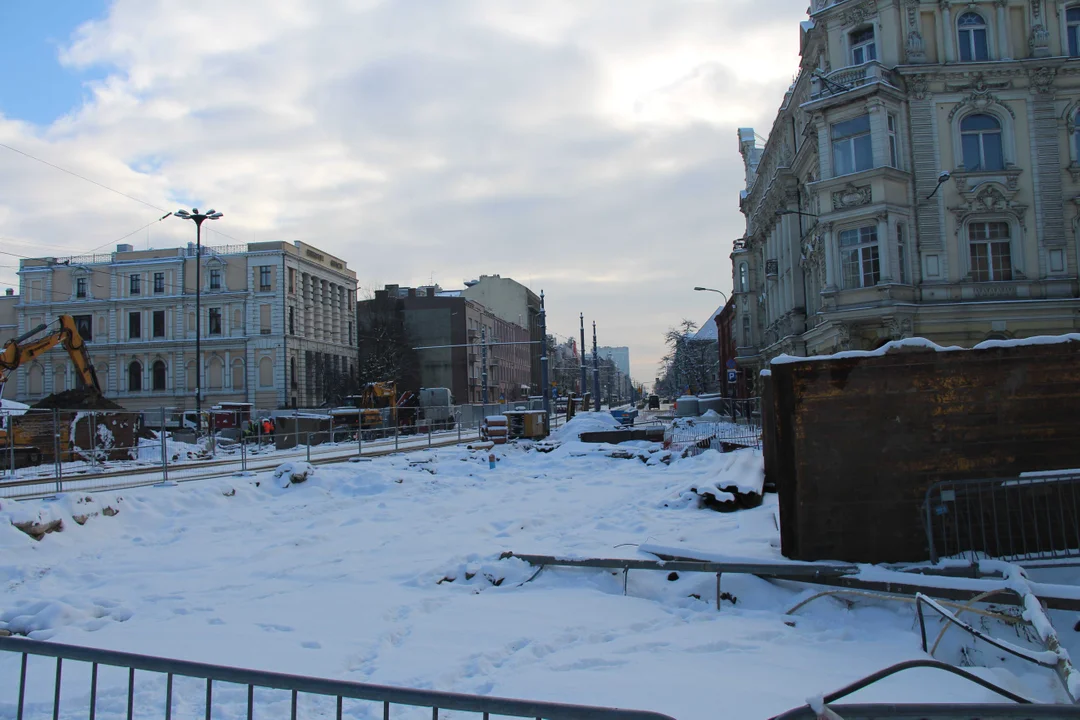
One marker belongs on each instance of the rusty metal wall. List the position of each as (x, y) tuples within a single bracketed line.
[(855, 442)]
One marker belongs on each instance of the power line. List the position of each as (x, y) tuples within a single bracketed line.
[(81, 177)]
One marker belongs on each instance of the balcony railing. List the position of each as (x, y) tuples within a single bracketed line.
[(850, 78)]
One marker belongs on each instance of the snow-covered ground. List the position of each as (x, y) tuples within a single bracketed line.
[(385, 571)]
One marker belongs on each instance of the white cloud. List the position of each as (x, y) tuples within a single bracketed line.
[(587, 148)]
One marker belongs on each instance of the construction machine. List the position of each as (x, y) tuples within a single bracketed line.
[(20, 350)]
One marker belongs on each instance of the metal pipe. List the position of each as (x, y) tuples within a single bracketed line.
[(596, 371)]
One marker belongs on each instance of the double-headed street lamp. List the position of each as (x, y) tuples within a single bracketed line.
[(197, 217)]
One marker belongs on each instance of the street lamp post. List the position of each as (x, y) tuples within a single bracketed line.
[(705, 289), (198, 218)]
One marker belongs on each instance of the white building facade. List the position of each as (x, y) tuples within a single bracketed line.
[(277, 323)]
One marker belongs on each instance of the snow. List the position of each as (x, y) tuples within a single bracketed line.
[(923, 343), (293, 473), (12, 407), (389, 572), (585, 423)]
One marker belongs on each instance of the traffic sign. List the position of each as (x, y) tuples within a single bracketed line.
[(731, 364), (732, 376)]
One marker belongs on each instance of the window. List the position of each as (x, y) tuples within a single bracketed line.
[(215, 373), (134, 376), (215, 321), (215, 279), (80, 287), (851, 146), (972, 29), (264, 278), (292, 371), (159, 283), (292, 331), (894, 144), (980, 137), (266, 372), (1076, 135), (350, 341), (1072, 23), (159, 323), (85, 325), (863, 48), (264, 319), (859, 262), (134, 284), (991, 255), (238, 374), (292, 280), (744, 277), (158, 375), (134, 325), (901, 251), (746, 331)]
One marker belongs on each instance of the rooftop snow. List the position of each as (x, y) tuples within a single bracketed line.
[(918, 342)]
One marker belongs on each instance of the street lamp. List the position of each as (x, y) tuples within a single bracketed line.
[(705, 289), (197, 217)]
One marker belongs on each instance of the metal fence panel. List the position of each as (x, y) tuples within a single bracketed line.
[(1033, 517), (305, 696)]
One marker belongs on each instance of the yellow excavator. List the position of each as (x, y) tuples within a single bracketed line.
[(21, 350)]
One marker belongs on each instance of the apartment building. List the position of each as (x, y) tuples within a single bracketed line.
[(514, 304), (921, 178), (276, 323), (401, 318)]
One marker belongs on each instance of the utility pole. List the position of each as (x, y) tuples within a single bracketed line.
[(483, 361), (595, 370), (544, 358), (584, 384)]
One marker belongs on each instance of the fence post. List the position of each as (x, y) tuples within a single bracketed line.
[(429, 434), (164, 451), (10, 424), (308, 447), (56, 451), (360, 439), (93, 439), (395, 436)]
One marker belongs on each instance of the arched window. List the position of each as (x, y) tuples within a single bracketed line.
[(35, 380), (102, 370), (134, 376), (59, 377), (744, 277), (972, 30), (215, 373), (980, 137), (266, 372), (863, 47), (189, 372), (159, 375), (990, 249), (1072, 29), (238, 374)]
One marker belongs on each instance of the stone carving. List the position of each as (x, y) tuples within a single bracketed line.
[(980, 100), (916, 48), (918, 86), (898, 328), (851, 196), (989, 198), (859, 14), (1039, 42), (843, 337), (1042, 78)]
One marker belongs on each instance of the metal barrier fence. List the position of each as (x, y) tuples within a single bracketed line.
[(178, 684), (71, 450), (1033, 517)]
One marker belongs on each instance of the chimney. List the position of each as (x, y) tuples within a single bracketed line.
[(124, 247), (9, 292)]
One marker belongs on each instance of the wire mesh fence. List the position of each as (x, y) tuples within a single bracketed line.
[(43, 452)]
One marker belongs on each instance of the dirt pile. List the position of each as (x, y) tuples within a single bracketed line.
[(79, 399)]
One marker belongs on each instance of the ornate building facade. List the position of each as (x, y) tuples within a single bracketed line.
[(922, 178)]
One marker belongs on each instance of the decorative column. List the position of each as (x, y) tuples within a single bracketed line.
[(948, 31), (1004, 50), (826, 238), (885, 247)]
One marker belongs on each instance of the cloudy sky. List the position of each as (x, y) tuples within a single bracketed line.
[(584, 147)]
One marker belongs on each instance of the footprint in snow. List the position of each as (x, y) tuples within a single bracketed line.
[(311, 645), (271, 627)]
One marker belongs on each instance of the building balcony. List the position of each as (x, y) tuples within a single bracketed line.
[(843, 80)]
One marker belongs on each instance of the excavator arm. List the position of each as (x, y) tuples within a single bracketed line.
[(22, 350)]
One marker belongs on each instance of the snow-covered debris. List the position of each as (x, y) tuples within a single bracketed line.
[(293, 473), (723, 481), (585, 423)]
